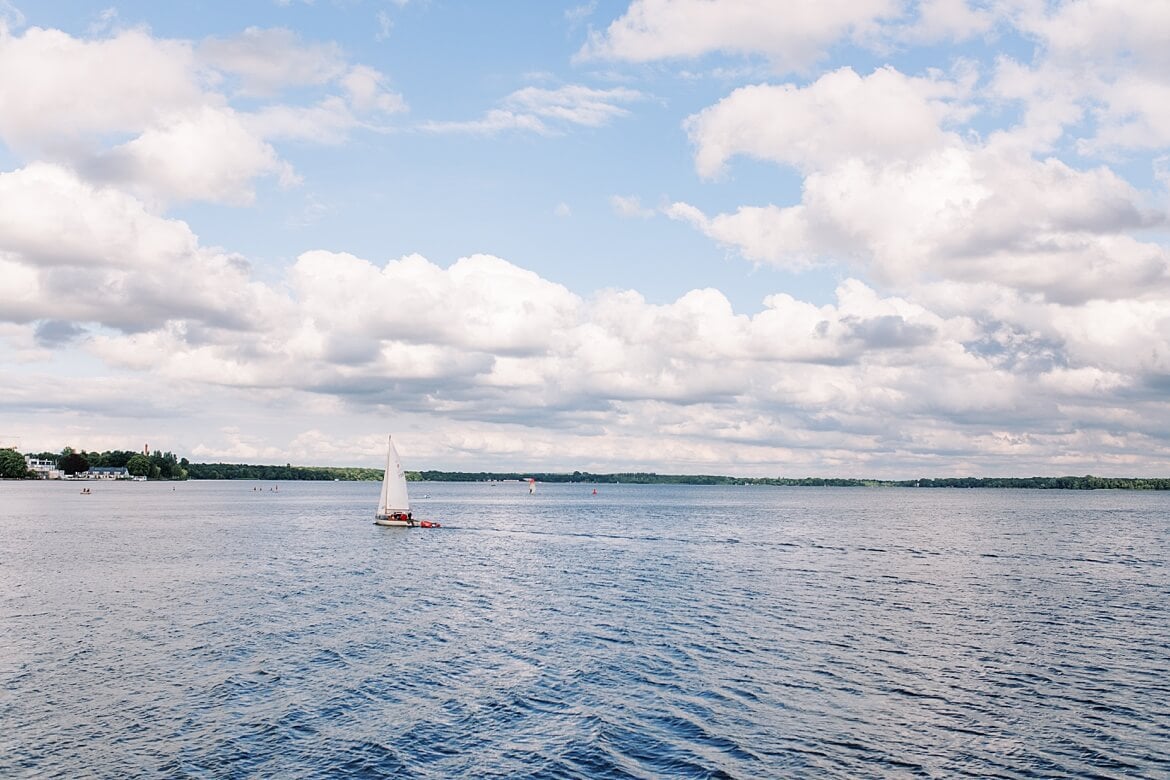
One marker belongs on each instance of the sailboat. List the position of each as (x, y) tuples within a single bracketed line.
[(394, 503), (531, 486)]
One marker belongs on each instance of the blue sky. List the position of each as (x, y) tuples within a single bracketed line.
[(868, 238)]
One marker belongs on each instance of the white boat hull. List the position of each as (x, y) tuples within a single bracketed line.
[(386, 521)]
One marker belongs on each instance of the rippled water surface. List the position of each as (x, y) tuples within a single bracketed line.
[(210, 629)]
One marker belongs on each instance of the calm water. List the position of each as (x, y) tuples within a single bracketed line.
[(648, 631)]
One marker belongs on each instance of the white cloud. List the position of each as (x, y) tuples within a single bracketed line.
[(78, 253), (143, 112), (115, 85), (942, 20), (573, 104), (484, 327), (891, 191), (501, 308), (839, 116), (494, 121), (1108, 59), (544, 111), (502, 364), (206, 154), (629, 206), (965, 214), (269, 60), (1103, 33), (1135, 114), (366, 88), (793, 37)]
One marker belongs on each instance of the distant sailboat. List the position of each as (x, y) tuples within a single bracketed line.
[(394, 504), (531, 486)]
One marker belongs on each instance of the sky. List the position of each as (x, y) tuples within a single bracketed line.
[(856, 238)]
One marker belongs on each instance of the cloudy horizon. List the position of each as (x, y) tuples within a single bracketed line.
[(882, 239)]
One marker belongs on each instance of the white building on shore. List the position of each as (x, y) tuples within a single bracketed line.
[(43, 469), (104, 472)]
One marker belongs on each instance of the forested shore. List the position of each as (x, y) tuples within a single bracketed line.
[(165, 466), (1087, 482), (287, 471)]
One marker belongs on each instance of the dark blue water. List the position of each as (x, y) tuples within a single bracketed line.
[(648, 631)]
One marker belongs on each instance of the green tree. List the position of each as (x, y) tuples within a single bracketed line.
[(138, 465), (72, 462), (165, 464), (12, 465)]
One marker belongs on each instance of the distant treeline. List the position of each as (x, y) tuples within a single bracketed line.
[(1087, 482), (349, 474), (287, 471), (164, 465)]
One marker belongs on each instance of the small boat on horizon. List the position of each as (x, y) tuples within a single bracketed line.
[(394, 502)]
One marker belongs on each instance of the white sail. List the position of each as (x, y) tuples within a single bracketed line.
[(394, 498)]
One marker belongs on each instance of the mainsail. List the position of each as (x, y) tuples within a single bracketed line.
[(393, 498)]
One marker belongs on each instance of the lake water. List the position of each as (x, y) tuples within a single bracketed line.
[(209, 629)]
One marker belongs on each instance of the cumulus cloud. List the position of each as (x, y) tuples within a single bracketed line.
[(839, 116), (1102, 33), (793, 37), (74, 252), (115, 85), (960, 214), (206, 154), (484, 330), (505, 365), (150, 114), (1101, 58), (891, 190)]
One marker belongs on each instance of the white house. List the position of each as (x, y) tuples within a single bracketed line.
[(44, 469), (106, 472)]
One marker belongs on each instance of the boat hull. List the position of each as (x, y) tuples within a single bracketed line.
[(386, 521), (407, 523)]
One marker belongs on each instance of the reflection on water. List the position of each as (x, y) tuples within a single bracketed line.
[(212, 629)]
